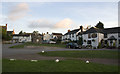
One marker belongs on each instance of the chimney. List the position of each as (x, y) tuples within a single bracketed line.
[(81, 28), (69, 30), (6, 27), (13, 32)]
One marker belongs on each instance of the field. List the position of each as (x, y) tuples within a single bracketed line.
[(84, 54), (52, 66)]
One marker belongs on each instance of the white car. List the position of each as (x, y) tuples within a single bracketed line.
[(52, 42)]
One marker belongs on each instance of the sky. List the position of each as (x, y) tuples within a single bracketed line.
[(57, 17)]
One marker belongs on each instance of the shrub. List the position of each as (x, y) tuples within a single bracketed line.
[(99, 46), (114, 45)]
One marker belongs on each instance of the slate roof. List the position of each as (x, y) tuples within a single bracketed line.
[(93, 30), (57, 33), (112, 30), (22, 35), (72, 32)]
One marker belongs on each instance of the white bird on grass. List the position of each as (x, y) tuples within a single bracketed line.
[(57, 60), (87, 61), (34, 60), (12, 59)]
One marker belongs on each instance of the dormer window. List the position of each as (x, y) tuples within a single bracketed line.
[(89, 35), (94, 35), (105, 35)]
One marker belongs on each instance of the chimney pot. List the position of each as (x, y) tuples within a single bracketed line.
[(68, 30)]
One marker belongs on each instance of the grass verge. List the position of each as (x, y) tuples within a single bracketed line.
[(36, 44), (84, 54)]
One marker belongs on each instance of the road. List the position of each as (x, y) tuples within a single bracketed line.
[(31, 53)]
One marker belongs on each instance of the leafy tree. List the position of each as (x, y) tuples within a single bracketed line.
[(4, 35), (100, 25)]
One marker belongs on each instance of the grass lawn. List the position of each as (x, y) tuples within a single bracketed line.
[(35, 44), (84, 54), (52, 66)]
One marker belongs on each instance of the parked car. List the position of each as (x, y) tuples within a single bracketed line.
[(52, 42), (72, 45)]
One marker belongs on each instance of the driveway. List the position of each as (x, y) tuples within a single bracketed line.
[(29, 53)]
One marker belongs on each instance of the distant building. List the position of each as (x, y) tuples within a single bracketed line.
[(21, 38), (71, 35), (37, 38), (57, 36), (47, 37)]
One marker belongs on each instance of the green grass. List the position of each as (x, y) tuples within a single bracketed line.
[(84, 54), (52, 66), (35, 44)]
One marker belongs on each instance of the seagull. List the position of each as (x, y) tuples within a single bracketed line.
[(34, 60), (12, 59), (43, 51), (57, 60), (87, 61)]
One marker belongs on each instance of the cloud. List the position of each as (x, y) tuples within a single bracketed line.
[(64, 23), (41, 23), (44, 23), (19, 11)]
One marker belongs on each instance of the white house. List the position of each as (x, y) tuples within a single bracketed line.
[(21, 38), (56, 36), (47, 37), (92, 37), (72, 35), (112, 35)]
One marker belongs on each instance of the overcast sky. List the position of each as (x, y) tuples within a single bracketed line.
[(57, 16)]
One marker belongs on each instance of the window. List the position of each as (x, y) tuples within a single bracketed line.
[(118, 34), (89, 35), (106, 41), (89, 42), (105, 35), (69, 36), (94, 35), (72, 35)]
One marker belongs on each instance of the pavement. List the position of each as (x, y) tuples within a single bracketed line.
[(29, 53)]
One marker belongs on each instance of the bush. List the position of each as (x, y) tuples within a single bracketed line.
[(114, 45), (89, 46), (99, 46)]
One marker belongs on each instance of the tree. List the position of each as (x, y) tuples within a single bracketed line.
[(100, 25), (4, 34)]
